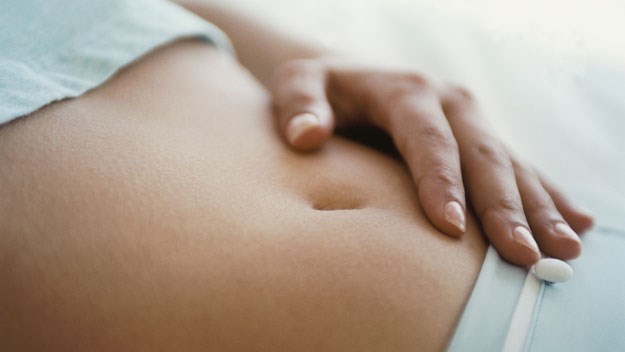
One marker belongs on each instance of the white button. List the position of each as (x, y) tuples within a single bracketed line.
[(553, 270)]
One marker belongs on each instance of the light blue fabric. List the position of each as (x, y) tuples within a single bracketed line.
[(587, 313), (485, 319), (54, 49)]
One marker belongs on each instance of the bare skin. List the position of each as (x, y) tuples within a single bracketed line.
[(163, 212), (454, 156), (447, 146)]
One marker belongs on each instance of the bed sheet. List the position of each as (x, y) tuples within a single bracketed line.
[(555, 104)]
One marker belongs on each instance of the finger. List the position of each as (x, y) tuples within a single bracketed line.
[(490, 180), (553, 234), (420, 130), (580, 219), (304, 115)]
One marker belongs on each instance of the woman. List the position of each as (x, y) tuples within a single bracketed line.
[(160, 210)]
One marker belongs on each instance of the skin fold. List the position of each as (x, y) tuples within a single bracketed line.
[(170, 210), (162, 211), (456, 159)]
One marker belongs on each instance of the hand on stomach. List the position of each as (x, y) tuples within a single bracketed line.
[(162, 211)]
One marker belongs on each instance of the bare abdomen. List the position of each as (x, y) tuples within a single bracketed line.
[(162, 212)]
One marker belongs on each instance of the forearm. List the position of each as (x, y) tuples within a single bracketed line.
[(259, 47)]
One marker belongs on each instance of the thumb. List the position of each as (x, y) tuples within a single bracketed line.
[(305, 117)]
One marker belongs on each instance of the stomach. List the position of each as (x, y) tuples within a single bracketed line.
[(161, 211)]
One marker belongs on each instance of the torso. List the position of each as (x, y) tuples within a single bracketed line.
[(162, 211)]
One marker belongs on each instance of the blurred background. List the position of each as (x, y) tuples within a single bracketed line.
[(583, 28), (550, 74)]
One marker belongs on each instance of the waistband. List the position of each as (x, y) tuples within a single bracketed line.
[(510, 310)]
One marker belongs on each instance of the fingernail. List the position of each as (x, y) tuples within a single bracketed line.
[(300, 124), (455, 215), (565, 230), (523, 237)]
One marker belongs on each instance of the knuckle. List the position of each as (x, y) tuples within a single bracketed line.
[(493, 154), (407, 85), (508, 203), (456, 99), (417, 80), (439, 144), (444, 175), (503, 205), (437, 136), (460, 94), (404, 113)]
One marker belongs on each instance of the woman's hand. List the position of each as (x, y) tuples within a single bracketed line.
[(447, 145)]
